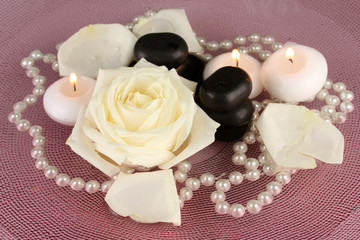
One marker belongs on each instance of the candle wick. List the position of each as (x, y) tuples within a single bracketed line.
[(291, 60), (74, 88), (237, 63)]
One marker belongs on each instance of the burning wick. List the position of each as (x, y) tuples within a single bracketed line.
[(290, 54), (236, 55), (73, 80)]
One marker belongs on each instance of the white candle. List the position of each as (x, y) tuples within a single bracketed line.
[(64, 98), (294, 78), (245, 62)]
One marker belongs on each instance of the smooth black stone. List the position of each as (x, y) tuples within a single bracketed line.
[(166, 49), (192, 69), (230, 133), (236, 117), (225, 89), (132, 63)]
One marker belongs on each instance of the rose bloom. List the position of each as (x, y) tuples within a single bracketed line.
[(141, 116)]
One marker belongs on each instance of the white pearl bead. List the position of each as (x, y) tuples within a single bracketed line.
[(274, 188), (207, 57), (186, 193), (238, 158), (49, 58), (77, 184), (328, 109), (253, 206), (346, 107), (339, 86), (267, 39), (252, 127), (255, 116), (226, 44), (184, 166), (180, 176), (20, 106), (14, 117), (62, 180), (251, 163), (276, 46), (199, 53), (339, 117), (263, 147), (41, 163), (105, 186), (181, 201), (322, 94), (222, 207), (38, 80), (217, 196), (265, 198), (237, 210), (32, 72), (223, 185), (212, 46), (92, 186), (346, 95), (207, 179), (255, 48), (283, 178), (36, 54), (243, 50), (264, 157), (35, 130), (254, 37), (240, 147), (249, 138), (30, 99), (265, 102), (317, 112), (27, 62), (37, 152), (201, 40), (258, 138), (328, 84), (129, 26), (193, 183), (264, 54), (149, 13), (137, 18), (269, 169), (326, 118), (240, 40), (38, 141), (55, 66), (236, 178), (38, 90), (51, 172), (332, 100), (23, 125), (252, 175), (257, 106)]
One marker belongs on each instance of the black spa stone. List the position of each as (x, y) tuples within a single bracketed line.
[(225, 89), (192, 69), (166, 49), (230, 133)]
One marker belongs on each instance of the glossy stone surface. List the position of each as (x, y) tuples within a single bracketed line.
[(166, 49), (230, 133), (192, 69)]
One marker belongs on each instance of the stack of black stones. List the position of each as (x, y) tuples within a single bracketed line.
[(223, 95)]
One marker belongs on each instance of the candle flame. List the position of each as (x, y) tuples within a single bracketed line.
[(236, 56), (73, 80), (290, 54)]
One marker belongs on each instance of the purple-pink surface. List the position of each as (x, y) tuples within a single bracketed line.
[(317, 204)]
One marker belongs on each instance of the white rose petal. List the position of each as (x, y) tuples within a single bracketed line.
[(96, 46), (295, 136), (146, 197), (169, 20)]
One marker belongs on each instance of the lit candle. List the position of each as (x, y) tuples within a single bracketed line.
[(64, 98), (245, 62), (294, 73)]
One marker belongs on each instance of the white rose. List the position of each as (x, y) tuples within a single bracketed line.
[(140, 116)]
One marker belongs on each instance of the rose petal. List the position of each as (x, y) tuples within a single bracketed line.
[(146, 197), (180, 26), (202, 134), (83, 146), (294, 136), (96, 46)]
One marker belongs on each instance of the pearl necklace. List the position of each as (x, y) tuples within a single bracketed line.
[(328, 112)]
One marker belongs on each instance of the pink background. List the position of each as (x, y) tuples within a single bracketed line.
[(322, 203)]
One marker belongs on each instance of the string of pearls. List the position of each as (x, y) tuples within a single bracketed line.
[(329, 112)]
